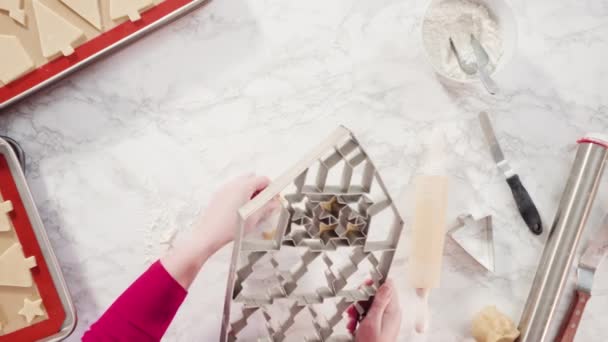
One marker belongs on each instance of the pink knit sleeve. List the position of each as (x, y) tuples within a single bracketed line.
[(143, 312)]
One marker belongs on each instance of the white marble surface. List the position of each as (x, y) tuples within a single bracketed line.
[(131, 147)]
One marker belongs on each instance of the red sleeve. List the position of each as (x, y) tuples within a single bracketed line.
[(143, 312)]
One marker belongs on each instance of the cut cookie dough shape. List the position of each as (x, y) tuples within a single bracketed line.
[(15, 267), (15, 61), (491, 325), (31, 309), (13, 7), (87, 9), (5, 208), (269, 234), (56, 34), (131, 9)]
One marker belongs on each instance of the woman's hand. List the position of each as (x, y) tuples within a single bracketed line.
[(219, 221), (215, 227), (383, 319)]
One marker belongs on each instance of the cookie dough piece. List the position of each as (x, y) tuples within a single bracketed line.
[(6, 206), (15, 267), (13, 7), (323, 227), (31, 309), (56, 34), (332, 206), (491, 325), (15, 61), (131, 8), (87, 9), (269, 234)]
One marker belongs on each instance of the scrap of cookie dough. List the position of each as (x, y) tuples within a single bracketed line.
[(15, 61), (331, 206), (6, 206), (131, 9), (269, 234), (57, 35), (31, 309), (87, 9), (15, 267), (13, 7), (491, 325)]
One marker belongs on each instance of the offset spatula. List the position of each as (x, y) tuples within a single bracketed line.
[(526, 207), (589, 262)]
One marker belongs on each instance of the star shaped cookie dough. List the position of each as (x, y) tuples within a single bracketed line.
[(31, 309), (332, 206)]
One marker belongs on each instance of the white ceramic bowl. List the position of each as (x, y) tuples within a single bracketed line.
[(505, 17)]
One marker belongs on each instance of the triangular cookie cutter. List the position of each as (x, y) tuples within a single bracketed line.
[(476, 237)]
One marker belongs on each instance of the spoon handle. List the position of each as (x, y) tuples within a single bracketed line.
[(487, 81)]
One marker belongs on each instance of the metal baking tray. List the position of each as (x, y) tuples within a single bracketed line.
[(43, 241), (169, 17)]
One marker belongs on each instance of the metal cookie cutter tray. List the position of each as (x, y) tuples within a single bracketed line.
[(337, 223), (14, 164)]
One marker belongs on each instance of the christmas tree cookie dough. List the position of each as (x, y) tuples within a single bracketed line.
[(13, 7), (87, 9), (15, 267), (15, 62), (57, 35), (131, 9), (6, 206)]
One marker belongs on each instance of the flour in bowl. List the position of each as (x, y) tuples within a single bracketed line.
[(459, 19)]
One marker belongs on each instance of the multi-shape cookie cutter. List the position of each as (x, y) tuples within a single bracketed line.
[(320, 215)]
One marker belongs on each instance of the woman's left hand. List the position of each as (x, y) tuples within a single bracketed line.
[(219, 222), (215, 227)]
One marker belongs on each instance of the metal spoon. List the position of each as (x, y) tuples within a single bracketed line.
[(469, 67), (482, 61), (477, 66)]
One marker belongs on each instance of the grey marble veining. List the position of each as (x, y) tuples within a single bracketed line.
[(130, 148)]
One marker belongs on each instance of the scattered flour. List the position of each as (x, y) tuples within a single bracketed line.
[(458, 19)]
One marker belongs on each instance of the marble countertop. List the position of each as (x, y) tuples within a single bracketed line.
[(129, 149)]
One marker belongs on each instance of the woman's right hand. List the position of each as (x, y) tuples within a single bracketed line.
[(383, 319)]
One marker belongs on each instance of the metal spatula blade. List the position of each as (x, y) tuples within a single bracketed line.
[(592, 257)]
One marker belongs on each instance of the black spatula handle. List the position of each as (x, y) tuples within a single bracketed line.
[(526, 207)]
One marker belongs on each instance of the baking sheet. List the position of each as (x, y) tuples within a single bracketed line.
[(28, 34), (51, 287), (116, 33), (11, 298)]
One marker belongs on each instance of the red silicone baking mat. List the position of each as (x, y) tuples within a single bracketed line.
[(42, 277), (88, 50)]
